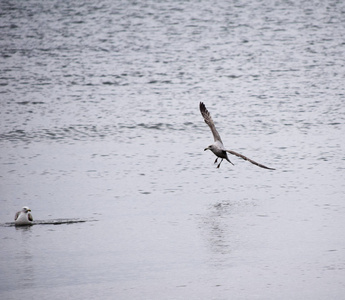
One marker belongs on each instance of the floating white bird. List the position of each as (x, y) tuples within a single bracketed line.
[(23, 217), (217, 147)]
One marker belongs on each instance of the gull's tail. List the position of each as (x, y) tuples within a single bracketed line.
[(228, 160)]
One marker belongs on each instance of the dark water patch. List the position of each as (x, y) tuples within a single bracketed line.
[(110, 83), (156, 126), (160, 81), (30, 102)]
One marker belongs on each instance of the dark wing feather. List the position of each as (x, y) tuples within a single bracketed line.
[(16, 215), (30, 217), (208, 120), (246, 158)]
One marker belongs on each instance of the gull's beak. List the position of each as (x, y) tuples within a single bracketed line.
[(29, 209), (207, 149)]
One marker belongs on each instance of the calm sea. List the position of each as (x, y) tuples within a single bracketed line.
[(100, 122)]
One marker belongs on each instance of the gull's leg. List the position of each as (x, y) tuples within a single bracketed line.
[(220, 163), (216, 160)]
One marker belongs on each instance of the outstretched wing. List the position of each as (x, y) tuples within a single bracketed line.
[(246, 158), (208, 120)]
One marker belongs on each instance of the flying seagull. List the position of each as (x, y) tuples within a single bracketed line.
[(217, 147), (23, 217)]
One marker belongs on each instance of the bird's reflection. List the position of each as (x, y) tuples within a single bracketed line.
[(217, 231), (220, 230), (24, 265)]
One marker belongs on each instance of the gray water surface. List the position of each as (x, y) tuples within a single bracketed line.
[(100, 121)]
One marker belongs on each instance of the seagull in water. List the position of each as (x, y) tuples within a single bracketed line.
[(217, 147), (23, 217)]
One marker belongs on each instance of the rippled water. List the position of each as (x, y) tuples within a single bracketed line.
[(100, 120)]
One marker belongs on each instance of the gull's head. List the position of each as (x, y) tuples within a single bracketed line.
[(208, 148), (26, 209)]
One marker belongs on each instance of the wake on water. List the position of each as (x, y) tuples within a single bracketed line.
[(49, 222)]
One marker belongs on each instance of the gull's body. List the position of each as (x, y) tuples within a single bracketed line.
[(23, 217), (217, 147)]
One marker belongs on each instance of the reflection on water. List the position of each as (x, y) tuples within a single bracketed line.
[(24, 267), (219, 232)]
